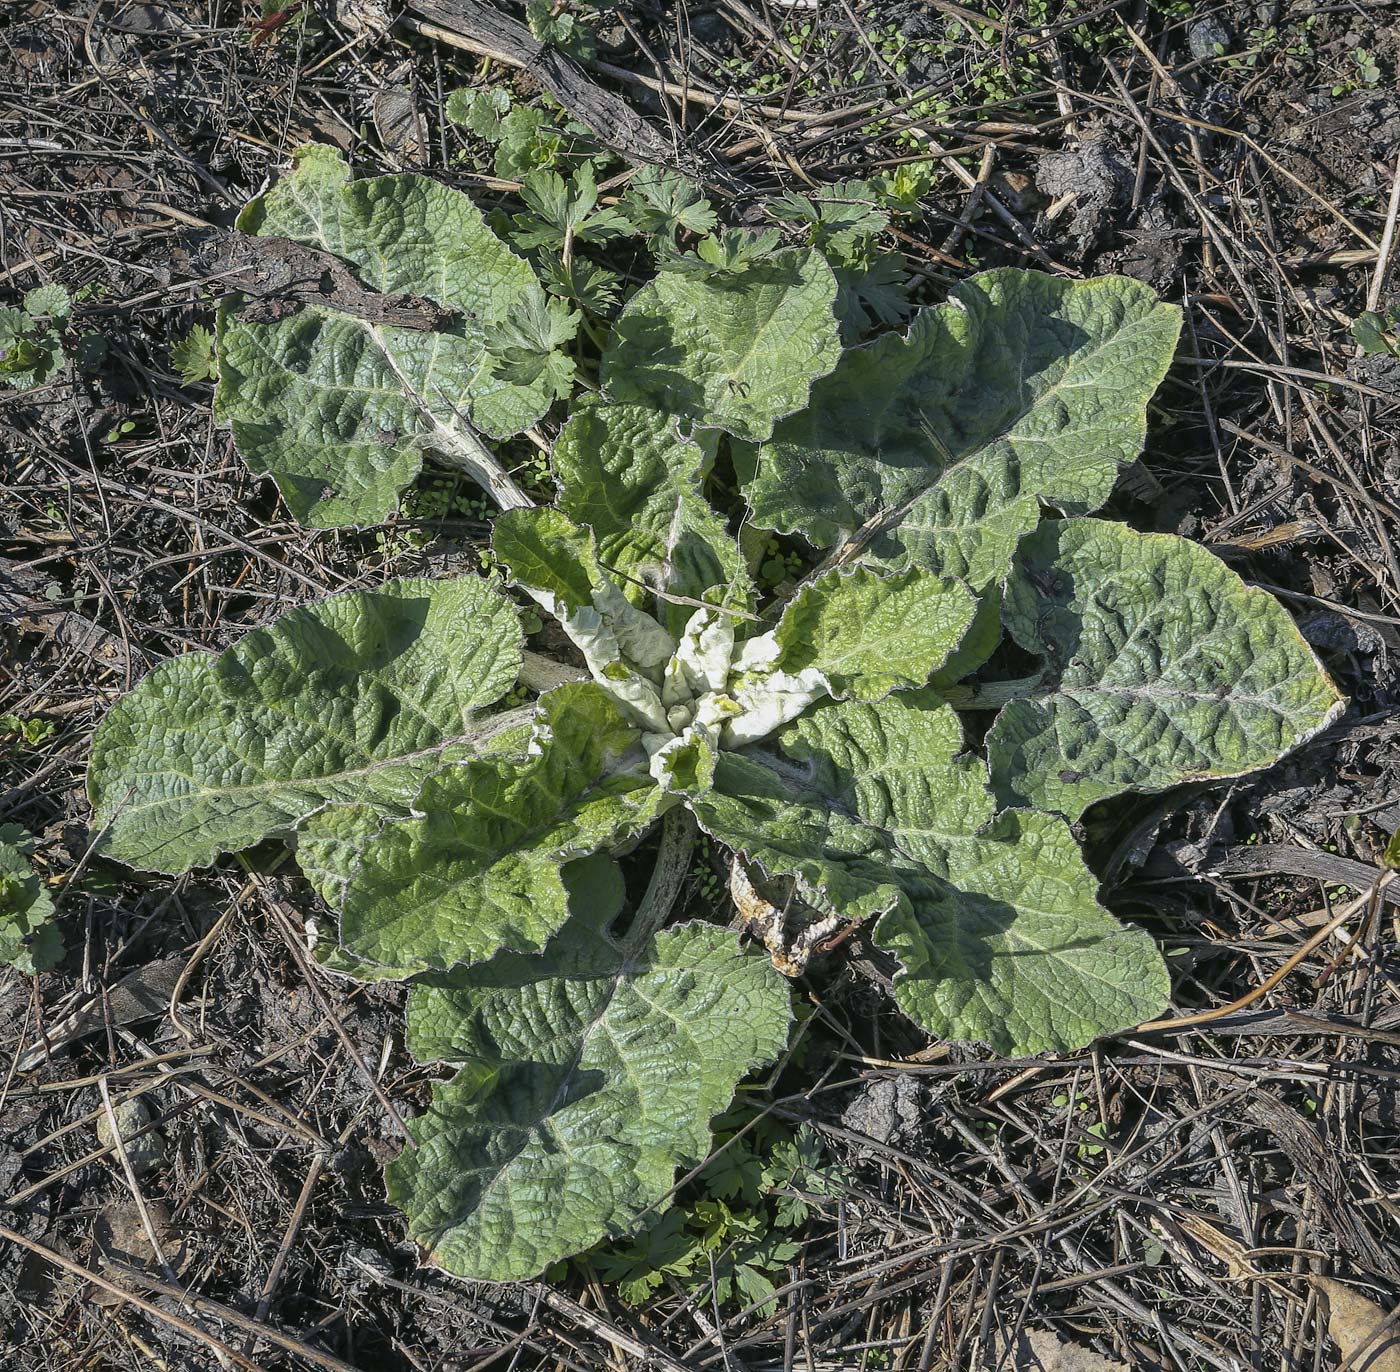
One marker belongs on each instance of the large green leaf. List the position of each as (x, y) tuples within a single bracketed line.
[(589, 1075), (352, 700), (626, 473), (329, 843), (476, 869), (994, 917), (338, 407), (940, 444), (1161, 666), (869, 634), (29, 942), (727, 351)]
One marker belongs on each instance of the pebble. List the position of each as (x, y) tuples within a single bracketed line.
[(1207, 37), (144, 1153)]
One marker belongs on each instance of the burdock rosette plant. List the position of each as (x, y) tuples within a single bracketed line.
[(944, 472)]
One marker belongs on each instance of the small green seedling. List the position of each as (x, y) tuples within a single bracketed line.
[(31, 350), (944, 476), (30, 732), (1378, 332), (1365, 72), (554, 22), (29, 940), (737, 1232), (524, 137), (193, 356)]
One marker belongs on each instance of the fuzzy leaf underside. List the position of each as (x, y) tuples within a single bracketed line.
[(476, 868), (994, 917), (28, 941), (349, 701), (870, 634), (590, 1074), (1021, 389), (727, 352), (1164, 668), (339, 410), (626, 473)]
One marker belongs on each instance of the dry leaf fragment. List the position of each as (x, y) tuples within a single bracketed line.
[(1367, 1337), (121, 1242), (1230, 1251), (399, 123), (1038, 1350), (142, 994), (766, 921)]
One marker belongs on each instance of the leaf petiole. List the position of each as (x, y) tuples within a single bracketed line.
[(992, 695), (678, 834)]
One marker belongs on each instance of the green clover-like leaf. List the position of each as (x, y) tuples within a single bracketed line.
[(565, 210), (840, 218), (193, 356), (529, 347), (50, 301)]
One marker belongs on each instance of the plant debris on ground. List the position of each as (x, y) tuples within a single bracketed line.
[(195, 1118)]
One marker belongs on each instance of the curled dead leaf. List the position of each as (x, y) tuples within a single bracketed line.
[(122, 1242), (766, 921), (1038, 1350), (1367, 1337)]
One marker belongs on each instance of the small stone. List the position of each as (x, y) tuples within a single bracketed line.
[(1207, 37), (888, 1111), (144, 1152)]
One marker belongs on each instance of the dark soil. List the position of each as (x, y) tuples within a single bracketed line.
[(1168, 1200)]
